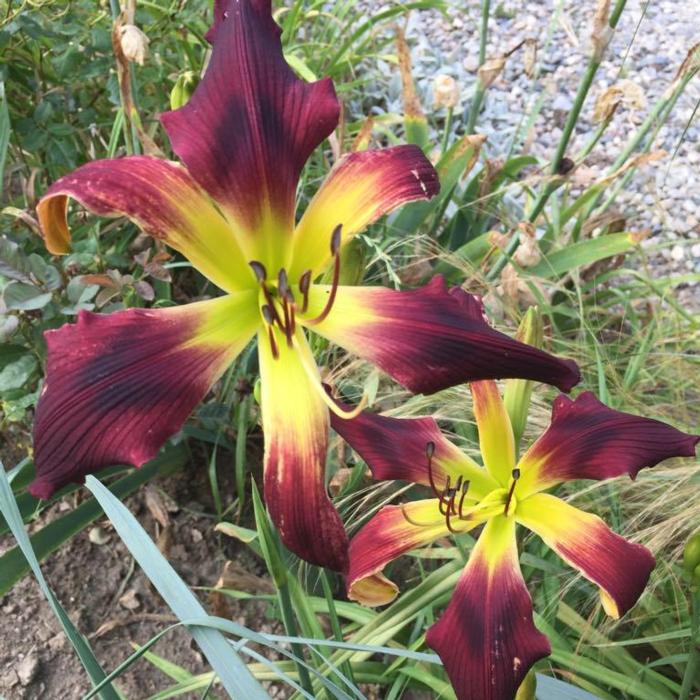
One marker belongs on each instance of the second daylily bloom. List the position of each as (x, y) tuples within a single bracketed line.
[(486, 637), (118, 386)]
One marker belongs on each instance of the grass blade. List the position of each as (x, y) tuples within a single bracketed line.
[(82, 648)]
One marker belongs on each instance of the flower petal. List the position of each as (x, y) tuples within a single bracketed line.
[(486, 638), (118, 385), (588, 440), (395, 448), (250, 126), (360, 188), (295, 424), (496, 440), (388, 535), (620, 568), (162, 199), (431, 338)]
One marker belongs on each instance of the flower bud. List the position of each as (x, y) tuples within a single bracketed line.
[(518, 391), (183, 89), (691, 556), (257, 389), (445, 92), (134, 43), (527, 688)]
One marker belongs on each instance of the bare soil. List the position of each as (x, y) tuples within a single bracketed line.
[(112, 602)]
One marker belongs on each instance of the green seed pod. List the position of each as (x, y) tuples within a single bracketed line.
[(184, 87), (691, 553), (518, 391), (256, 391)]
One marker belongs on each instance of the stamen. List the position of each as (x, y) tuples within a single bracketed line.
[(259, 271), (282, 282), (444, 493), (335, 247), (267, 314), (273, 343), (516, 476), (287, 321), (465, 489), (335, 239), (304, 284), (289, 298)]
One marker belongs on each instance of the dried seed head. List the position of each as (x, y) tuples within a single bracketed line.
[(445, 92), (490, 70), (134, 43)]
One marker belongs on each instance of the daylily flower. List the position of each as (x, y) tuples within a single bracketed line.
[(486, 637), (118, 385)]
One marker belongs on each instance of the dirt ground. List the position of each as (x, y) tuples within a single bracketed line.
[(112, 602)]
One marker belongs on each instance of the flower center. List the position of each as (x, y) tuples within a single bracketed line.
[(279, 304), (452, 498)]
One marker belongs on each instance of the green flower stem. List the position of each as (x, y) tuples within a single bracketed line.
[(690, 676), (479, 91), (551, 186), (446, 133)]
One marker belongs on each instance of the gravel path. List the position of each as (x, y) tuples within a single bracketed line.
[(663, 196)]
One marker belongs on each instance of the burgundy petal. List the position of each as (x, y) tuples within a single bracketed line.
[(486, 638), (396, 448), (588, 440), (250, 126), (620, 568), (162, 199), (431, 338), (117, 386), (295, 423)]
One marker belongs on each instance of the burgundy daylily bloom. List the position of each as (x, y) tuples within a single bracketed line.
[(117, 386), (486, 637)]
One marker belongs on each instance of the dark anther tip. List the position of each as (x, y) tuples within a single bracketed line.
[(335, 239), (516, 474), (282, 282), (267, 314), (305, 282), (430, 448), (259, 270)]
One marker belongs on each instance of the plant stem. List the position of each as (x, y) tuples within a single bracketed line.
[(446, 133), (572, 119), (479, 91), (693, 666)]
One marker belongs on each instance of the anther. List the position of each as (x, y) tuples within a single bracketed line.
[(335, 239), (445, 492), (258, 270), (335, 247), (282, 282), (267, 314), (516, 475), (304, 284)]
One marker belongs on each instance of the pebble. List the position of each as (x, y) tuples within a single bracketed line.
[(670, 188), (27, 668)]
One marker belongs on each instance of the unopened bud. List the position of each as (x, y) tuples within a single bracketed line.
[(519, 391), (528, 687), (134, 43), (445, 92), (691, 557), (183, 89), (257, 388)]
